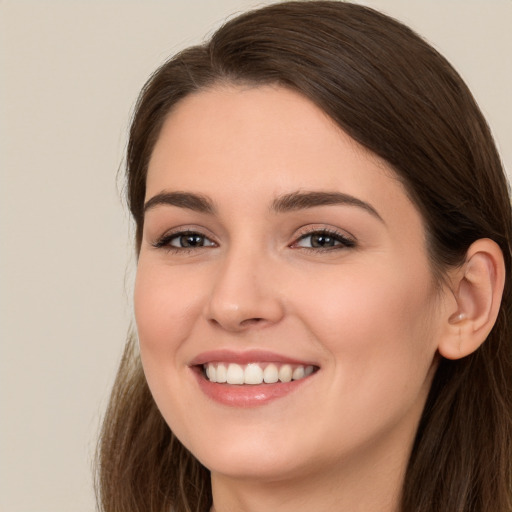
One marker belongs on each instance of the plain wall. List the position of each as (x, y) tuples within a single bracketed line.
[(70, 72)]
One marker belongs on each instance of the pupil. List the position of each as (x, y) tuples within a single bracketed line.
[(322, 241), (191, 241)]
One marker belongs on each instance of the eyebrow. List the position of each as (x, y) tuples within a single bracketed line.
[(303, 200), (195, 202), (285, 203)]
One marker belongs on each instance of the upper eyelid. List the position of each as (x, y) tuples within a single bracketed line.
[(335, 234), (186, 229), (310, 229)]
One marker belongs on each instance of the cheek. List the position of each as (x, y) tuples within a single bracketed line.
[(374, 315), (377, 331), (165, 306), (165, 312)]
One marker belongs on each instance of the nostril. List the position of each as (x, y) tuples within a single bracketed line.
[(247, 321), (251, 321), (236, 325)]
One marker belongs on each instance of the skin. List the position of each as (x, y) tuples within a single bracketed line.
[(368, 315)]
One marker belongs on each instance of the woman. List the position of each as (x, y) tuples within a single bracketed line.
[(322, 295)]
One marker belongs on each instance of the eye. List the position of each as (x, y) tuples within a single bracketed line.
[(184, 240), (190, 240), (324, 239)]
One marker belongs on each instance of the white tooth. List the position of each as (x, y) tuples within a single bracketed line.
[(235, 374), (308, 371), (285, 373), (298, 373), (211, 373), (221, 373), (270, 374), (253, 374)]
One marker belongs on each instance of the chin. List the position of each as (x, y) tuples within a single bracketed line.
[(254, 465), (247, 454)]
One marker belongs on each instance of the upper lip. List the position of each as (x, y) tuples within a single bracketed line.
[(245, 357)]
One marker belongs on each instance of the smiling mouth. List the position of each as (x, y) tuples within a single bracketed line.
[(255, 373)]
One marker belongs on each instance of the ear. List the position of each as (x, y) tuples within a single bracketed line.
[(477, 287)]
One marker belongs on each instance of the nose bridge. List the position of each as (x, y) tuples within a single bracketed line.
[(243, 292)]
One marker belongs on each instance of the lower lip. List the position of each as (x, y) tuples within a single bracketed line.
[(248, 395)]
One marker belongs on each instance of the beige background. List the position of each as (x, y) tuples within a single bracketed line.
[(69, 75)]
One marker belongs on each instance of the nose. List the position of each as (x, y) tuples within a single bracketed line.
[(244, 294)]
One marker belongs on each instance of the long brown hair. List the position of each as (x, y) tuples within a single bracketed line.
[(395, 95)]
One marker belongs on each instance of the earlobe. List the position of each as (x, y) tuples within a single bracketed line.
[(477, 287)]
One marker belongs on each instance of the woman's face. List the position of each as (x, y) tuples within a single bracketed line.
[(275, 247)]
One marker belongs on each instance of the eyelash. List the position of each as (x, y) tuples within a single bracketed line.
[(340, 240)]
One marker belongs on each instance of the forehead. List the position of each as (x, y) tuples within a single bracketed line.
[(257, 132)]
